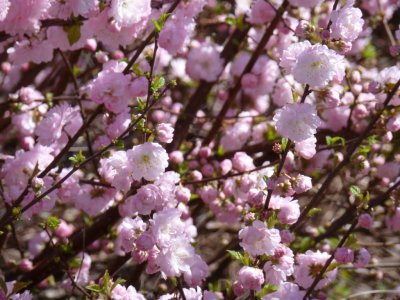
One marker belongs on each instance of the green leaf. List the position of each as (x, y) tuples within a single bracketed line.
[(106, 282), (363, 150), (159, 24), (73, 32), (77, 159), (330, 141), (356, 191), (230, 20), (369, 52), (220, 150), (313, 211), (74, 263), (18, 286), (16, 212), (119, 144), (372, 139), (118, 281), (94, 288), (157, 83), (53, 222), (267, 289), (284, 142), (3, 286), (235, 254)]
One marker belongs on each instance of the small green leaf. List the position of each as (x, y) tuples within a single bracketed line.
[(118, 281), (74, 263), (77, 159), (369, 52), (284, 142), (18, 286), (157, 83), (73, 32), (159, 24), (356, 191), (267, 289), (372, 139), (53, 222), (330, 141), (16, 212), (220, 150), (313, 211), (119, 144), (141, 103), (94, 288), (235, 255), (3, 286), (231, 21)]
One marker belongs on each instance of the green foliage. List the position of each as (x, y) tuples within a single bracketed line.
[(284, 142), (313, 211), (266, 289), (243, 258), (159, 24), (77, 159), (330, 141), (73, 32), (369, 52), (157, 83), (53, 222)]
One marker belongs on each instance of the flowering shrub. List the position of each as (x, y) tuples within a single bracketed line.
[(199, 149)]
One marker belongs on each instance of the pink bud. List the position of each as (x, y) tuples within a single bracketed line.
[(251, 278), (365, 221), (176, 157), (91, 44), (26, 265), (145, 242), (182, 194), (344, 255)]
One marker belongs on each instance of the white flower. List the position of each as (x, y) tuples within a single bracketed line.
[(149, 161), (297, 121), (129, 12)]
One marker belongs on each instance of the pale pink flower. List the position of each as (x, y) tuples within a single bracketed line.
[(127, 232), (393, 124), (362, 258), (297, 121), (242, 162), (393, 221), (4, 7), (287, 290), (347, 23), (279, 266), (23, 16), (261, 12), (251, 278), (58, 125), (318, 65), (365, 221), (204, 62), (93, 199), (122, 293), (144, 201), (129, 12), (165, 132), (257, 239), (344, 255), (175, 260), (309, 265), (117, 170), (148, 160)]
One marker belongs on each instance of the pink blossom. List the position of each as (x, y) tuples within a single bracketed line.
[(347, 23), (251, 278), (59, 124), (128, 231), (257, 239), (297, 122), (23, 16), (393, 221), (362, 258), (309, 265), (287, 290), (165, 132), (117, 170), (242, 162), (393, 124), (129, 12), (261, 12), (204, 62), (302, 184), (305, 3), (344, 255), (318, 65), (280, 266), (122, 293), (143, 202), (365, 221), (148, 160)]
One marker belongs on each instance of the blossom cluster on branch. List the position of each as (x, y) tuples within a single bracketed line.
[(199, 149)]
